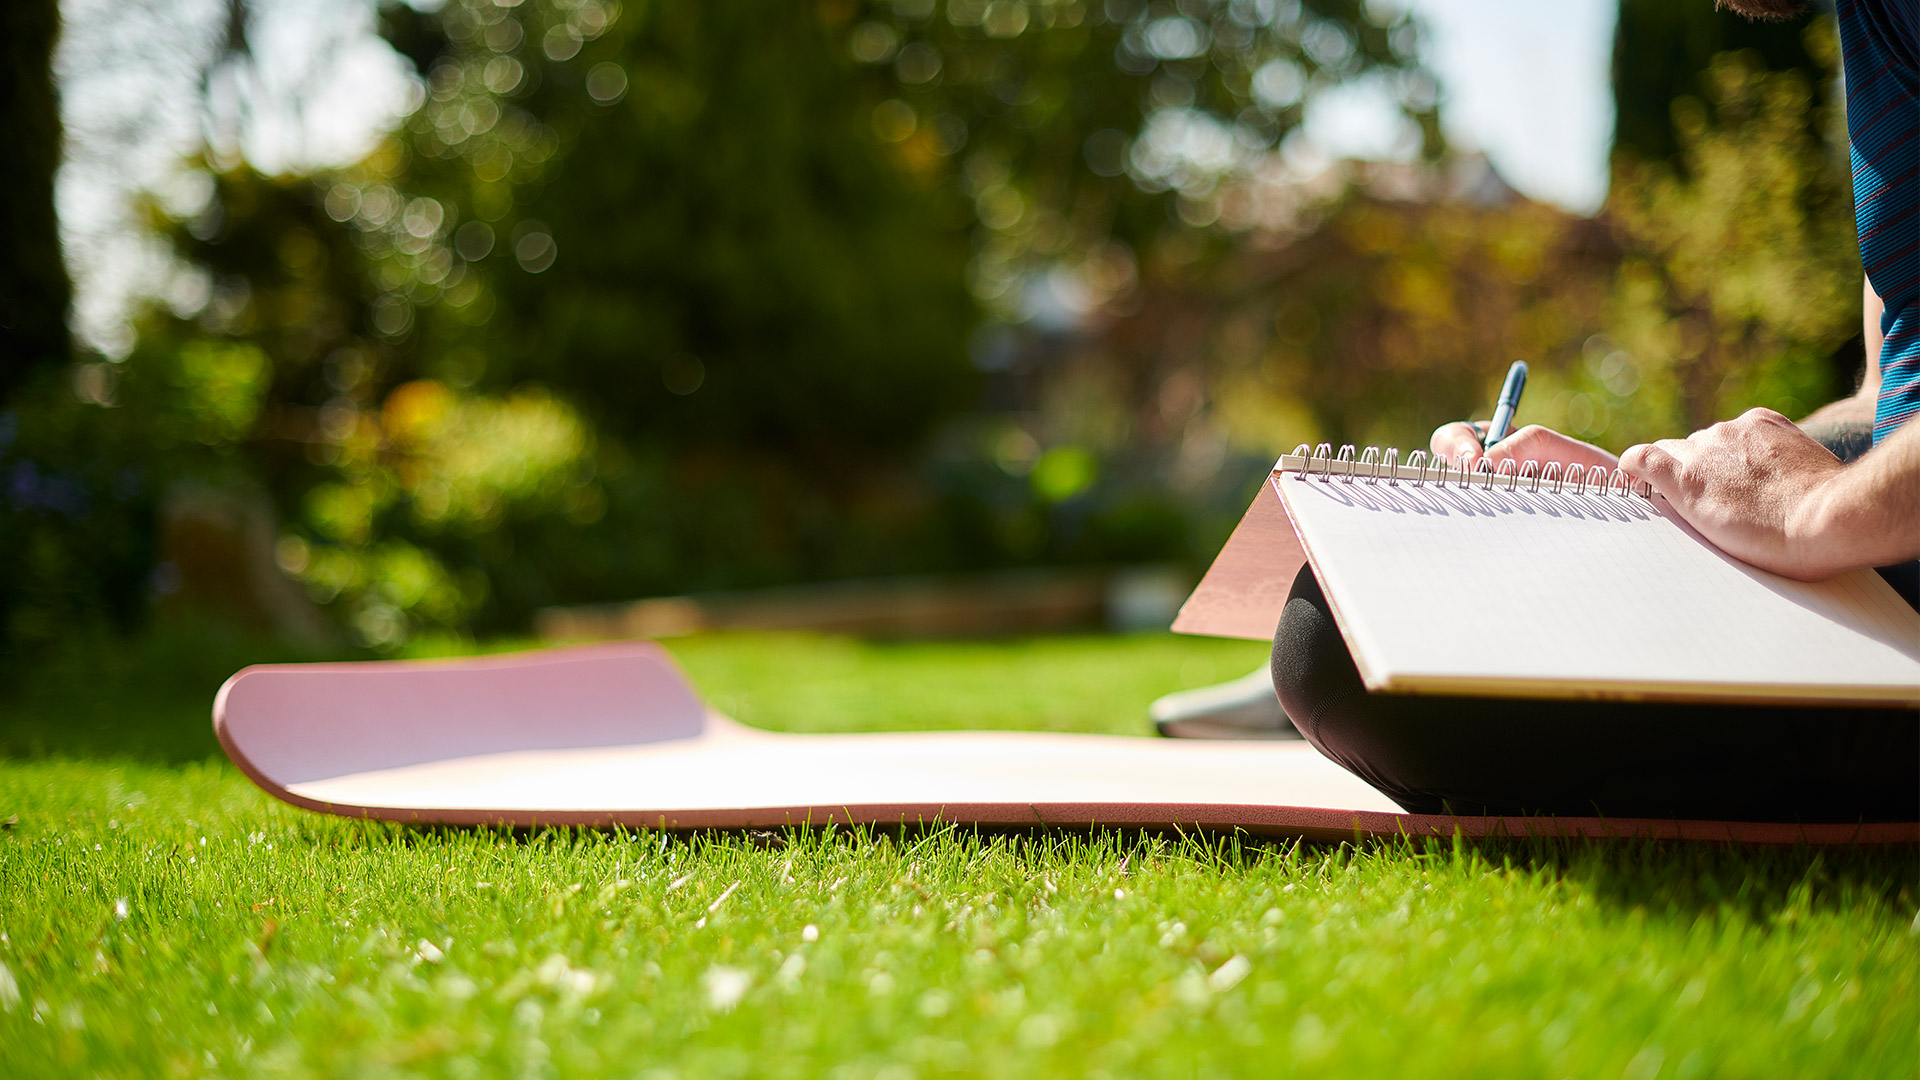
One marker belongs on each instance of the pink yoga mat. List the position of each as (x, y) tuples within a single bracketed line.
[(615, 735)]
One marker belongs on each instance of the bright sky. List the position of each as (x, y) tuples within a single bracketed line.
[(1528, 82)]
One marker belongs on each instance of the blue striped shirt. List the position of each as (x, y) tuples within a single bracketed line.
[(1880, 42)]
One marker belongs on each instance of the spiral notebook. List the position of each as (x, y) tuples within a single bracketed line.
[(1554, 582)]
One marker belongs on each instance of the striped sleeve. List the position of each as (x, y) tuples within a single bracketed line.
[(1880, 41)]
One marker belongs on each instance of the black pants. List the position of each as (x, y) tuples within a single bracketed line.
[(1582, 758)]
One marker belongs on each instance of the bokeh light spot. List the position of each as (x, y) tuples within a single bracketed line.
[(505, 35), (474, 241), (1063, 472), (503, 74), (533, 247), (392, 315), (949, 134), (966, 12), (561, 43), (607, 82), (1004, 19), (894, 120), (1279, 83), (873, 42), (917, 63), (342, 202), (1176, 38), (423, 217), (683, 375)]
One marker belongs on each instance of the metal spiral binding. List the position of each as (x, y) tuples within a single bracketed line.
[(1372, 464)]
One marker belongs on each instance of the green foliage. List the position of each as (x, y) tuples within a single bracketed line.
[(1090, 137), (665, 297), (1392, 315), (223, 384), (76, 520), (623, 261), (1721, 283), (711, 252), (1743, 274), (1662, 53)]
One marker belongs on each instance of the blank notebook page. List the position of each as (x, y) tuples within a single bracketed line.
[(1441, 589)]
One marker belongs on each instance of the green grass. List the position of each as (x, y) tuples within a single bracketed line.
[(161, 917)]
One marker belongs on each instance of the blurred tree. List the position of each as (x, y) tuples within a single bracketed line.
[(1667, 91), (33, 280), (1742, 273), (664, 297), (74, 538), (1404, 301), (1093, 139), (625, 261), (685, 221), (1712, 283), (76, 518), (630, 147)]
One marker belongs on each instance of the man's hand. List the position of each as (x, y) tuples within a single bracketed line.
[(1756, 486), (1530, 443)]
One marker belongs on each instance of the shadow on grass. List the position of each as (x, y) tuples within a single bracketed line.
[(1763, 883), (1673, 881)]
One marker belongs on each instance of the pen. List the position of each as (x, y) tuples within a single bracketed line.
[(1502, 421)]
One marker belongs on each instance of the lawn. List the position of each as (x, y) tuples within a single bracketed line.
[(161, 917)]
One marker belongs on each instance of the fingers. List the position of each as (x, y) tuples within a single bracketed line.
[(1531, 443), (1656, 465), (1452, 440), (1536, 443)]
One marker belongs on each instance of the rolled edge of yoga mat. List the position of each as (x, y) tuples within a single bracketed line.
[(615, 735)]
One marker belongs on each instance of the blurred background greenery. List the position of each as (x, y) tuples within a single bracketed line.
[(637, 298)]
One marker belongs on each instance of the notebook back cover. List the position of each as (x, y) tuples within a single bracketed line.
[(1245, 588), (1440, 588)]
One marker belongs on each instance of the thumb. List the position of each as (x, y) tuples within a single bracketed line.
[(1654, 465)]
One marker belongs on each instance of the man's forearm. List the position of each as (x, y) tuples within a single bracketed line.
[(1844, 427), (1848, 412), (1868, 514), (1843, 423)]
